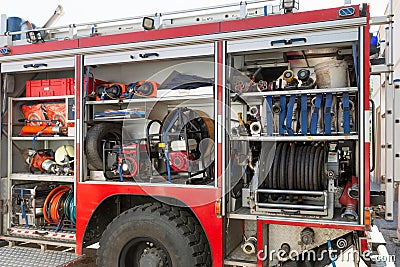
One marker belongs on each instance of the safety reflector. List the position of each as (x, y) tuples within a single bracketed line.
[(347, 12)]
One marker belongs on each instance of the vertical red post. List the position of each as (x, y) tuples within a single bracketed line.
[(366, 70), (80, 227)]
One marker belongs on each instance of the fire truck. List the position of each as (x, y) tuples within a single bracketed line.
[(240, 138)]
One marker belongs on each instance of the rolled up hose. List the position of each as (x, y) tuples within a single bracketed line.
[(298, 167), (49, 202), (69, 207)]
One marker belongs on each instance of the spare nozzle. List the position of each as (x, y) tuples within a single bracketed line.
[(288, 76)]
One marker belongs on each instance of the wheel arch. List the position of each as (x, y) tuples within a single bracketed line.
[(113, 205)]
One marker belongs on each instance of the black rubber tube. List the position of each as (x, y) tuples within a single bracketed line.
[(303, 167), (315, 169), (311, 168), (306, 167), (291, 170), (323, 178), (276, 166), (320, 168), (283, 167), (270, 178), (299, 154)]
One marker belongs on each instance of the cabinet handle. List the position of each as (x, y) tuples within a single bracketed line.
[(41, 233), (288, 41), (147, 55), (35, 66)]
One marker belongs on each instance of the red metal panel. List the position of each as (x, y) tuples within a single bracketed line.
[(260, 243), (44, 47), (366, 108), (78, 73), (282, 20), (201, 200), (367, 194), (167, 33)]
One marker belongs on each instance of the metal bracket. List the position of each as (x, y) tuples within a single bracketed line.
[(72, 31), (243, 10)]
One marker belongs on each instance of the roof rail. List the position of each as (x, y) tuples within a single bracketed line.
[(166, 19)]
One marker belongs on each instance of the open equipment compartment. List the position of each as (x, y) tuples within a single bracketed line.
[(40, 149), (294, 131), (165, 131)]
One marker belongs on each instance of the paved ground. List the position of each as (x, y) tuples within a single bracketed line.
[(89, 260), (388, 229)]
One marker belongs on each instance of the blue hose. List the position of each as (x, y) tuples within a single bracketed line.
[(121, 178), (332, 258), (166, 141)]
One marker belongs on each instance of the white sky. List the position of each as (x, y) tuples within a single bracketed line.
[(77, 11)]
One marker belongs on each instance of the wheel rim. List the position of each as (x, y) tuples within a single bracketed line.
[(144, 251)]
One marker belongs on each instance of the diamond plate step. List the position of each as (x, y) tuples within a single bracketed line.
[(32, 257)]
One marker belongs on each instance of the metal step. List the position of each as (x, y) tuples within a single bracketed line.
[(33, 257), (380, 69)]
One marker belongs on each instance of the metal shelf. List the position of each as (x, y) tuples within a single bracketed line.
[(43, 138), (151, 99), (42, 177), (121, 118), (295, 138), (238, 258), (41, 98), (298, 92), (336, 222)]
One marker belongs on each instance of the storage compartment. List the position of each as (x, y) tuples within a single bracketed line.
[(166, 110), (57, 87), (43, 210), (294, 133)]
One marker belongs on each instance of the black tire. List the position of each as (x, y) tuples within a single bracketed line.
[(94, 142), (176, 235)]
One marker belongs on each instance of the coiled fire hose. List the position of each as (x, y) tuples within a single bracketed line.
[(69, 207), (298, 167), (58, 205)]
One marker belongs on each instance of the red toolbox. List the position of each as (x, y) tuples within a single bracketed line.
[(57, 87)]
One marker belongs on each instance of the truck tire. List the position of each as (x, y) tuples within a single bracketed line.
[(154, 234), (94, 142)]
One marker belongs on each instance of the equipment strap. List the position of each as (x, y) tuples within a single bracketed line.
[(304, 114), (166, 143), (23, 209), (346, 113), (269, 118), (327, 113), (282, 114), (289, 114), (121, 178), (314, 116)]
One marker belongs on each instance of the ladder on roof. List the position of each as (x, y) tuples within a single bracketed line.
[(252, 8)]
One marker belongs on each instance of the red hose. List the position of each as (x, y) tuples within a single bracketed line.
[(49, 202)]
